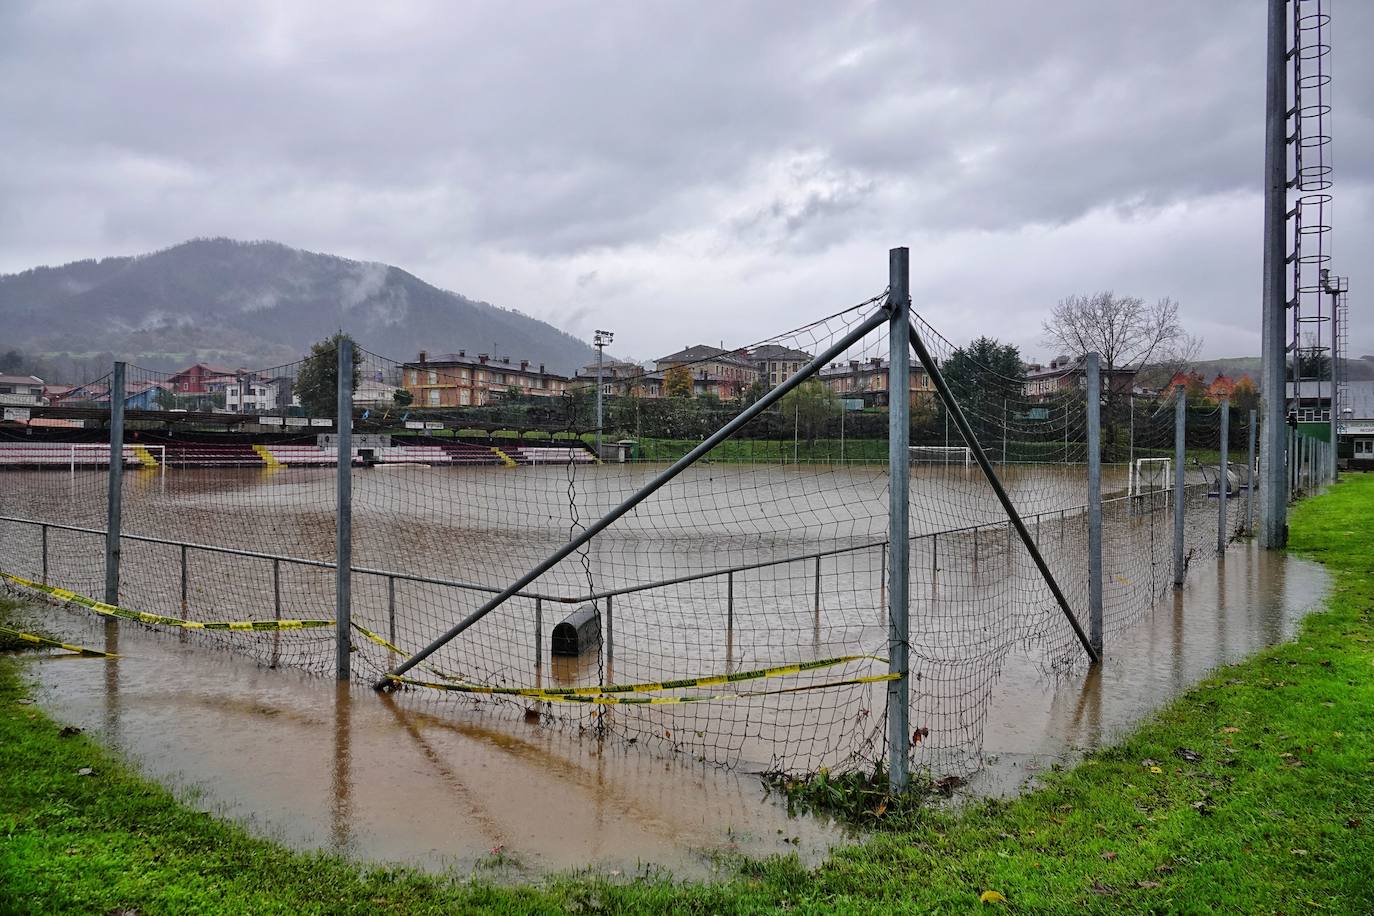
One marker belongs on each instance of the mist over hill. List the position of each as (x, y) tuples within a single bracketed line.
[(252, 304)]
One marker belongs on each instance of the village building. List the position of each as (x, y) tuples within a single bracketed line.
[(460, 380), (203, 379), (776, 363), (722, 373), (22, 391), (1070, 374), (868, 380), (618, 377)]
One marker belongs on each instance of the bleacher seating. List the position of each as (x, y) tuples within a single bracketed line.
[(550, 454), (212, 455), (60, 455)]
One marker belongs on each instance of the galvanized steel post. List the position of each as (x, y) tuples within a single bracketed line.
[(1180, 475), (1224, 480), (898, 519), (1094, 406), (1274, 345), (343, 529), (1252, 478), (116, 484)]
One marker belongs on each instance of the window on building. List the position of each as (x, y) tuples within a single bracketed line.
[(1364, 448), (433, 377), (465, 397), (434, 397), (414, 377)]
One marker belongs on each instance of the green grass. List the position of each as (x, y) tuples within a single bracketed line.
[(1277, 814)]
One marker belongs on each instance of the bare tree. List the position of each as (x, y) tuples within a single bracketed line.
[(1127, 334)]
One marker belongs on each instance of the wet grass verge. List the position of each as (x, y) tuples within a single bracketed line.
[(1253, 792)]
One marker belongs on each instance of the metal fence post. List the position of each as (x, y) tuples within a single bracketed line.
[(1224, 481), (899, 479), (45, 554), (116, 482), (391, 611), (610, 632), (1252, 478), (183, 579), (1180, 475), (1094, 405), (343, 529), (538, 634), (729, 607)]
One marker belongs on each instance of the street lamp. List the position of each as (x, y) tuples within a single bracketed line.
[(600, 340)]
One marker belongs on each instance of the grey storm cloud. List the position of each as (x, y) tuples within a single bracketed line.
[(677, 170)]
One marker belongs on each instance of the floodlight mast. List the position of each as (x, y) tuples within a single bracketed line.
[(601, 339)]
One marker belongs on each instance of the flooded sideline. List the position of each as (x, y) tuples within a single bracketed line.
[(434, 783), (1228, 611), (405, 778)]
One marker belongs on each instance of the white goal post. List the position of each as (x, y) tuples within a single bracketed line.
[(1150, 475), (941, 454)]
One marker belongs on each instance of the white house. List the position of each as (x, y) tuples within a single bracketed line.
[(22, 391), (250, 395)]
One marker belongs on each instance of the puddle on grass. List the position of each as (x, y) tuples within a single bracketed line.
[(408, 779), (1255, 599)]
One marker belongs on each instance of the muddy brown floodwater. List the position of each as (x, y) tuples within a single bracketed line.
[(429, 783)]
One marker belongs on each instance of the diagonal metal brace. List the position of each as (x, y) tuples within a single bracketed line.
[(957, 414), (857, 333)]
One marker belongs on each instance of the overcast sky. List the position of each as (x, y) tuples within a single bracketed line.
[(685, 172)]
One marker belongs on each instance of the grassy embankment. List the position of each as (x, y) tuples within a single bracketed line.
[(1276, 813)]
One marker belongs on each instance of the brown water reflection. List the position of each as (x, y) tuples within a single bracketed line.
[(1253, 599), (405, 778), (413, 779)]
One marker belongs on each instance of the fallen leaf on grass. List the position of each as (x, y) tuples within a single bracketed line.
[(1353, 822), (85, 771), (1230, 730), (1147, 885), (991, 897), (68, 730), (1188, 754), (1109, 855), (1298, 852), (1156, 769), (1149, 762), (1102, 889)]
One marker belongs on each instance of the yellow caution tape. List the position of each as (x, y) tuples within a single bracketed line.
[(381, 640), (605, 700), (580, 694), (110, 610), (44, 641)]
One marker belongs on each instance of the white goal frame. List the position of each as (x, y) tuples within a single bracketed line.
[(1133, 485), (940, 454)]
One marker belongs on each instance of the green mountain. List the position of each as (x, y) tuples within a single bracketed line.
[(251, 304)]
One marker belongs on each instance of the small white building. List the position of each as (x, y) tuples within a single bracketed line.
[(22, 391), (250, 395)]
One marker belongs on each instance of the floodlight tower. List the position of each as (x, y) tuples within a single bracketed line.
[(1337, 288), (1297, 164), (601, 340)]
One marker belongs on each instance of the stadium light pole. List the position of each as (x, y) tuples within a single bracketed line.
[(601, 340), (1334, 286), (1273, 442)]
